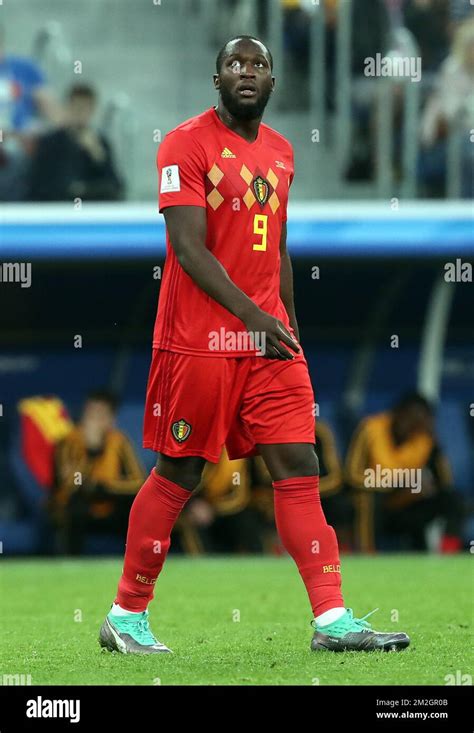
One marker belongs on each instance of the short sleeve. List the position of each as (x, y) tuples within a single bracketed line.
[(181, 172)]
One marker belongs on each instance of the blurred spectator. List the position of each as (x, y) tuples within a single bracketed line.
[(25, 102), (459, 10), (296, 29), (450, 106), (97, 477), (372, 40), (368, 38), (75, 160), (428, 20), (220, 518), (399, 440), (367, 41), (297, 19)]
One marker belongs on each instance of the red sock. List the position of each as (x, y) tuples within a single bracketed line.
[(310, 541), (153, 514)]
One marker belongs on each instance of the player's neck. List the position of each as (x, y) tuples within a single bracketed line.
[(247, 129)]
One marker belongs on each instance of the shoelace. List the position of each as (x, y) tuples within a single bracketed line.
[(141, 628), (365, 626), (361, 621), (145, 633)]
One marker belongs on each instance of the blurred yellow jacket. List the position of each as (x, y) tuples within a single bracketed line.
[(226, 485)]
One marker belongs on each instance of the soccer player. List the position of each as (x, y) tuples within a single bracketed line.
[(224, 179)]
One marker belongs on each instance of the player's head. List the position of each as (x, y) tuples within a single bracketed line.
[(244, 77), (412, 415), (99, 410)]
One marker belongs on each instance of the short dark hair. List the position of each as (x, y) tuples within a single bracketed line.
[(106, 396), (222, 53), (82, 90), (413, 399)]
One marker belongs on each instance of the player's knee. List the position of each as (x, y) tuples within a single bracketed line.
[(301, 462), (309, 466), (186, 471), (189, 480), (316, 464)]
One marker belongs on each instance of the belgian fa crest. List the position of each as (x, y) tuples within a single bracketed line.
[(181, 430), (261, 190)]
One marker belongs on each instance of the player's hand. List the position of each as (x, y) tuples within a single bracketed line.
[(272, 334)]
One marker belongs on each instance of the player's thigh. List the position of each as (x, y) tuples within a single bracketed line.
[(278, 410)]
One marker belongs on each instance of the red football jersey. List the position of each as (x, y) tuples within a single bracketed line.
[(244, 188)]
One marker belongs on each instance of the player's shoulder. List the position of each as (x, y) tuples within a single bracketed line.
[(187, 140), (192, 127), (276, 139)]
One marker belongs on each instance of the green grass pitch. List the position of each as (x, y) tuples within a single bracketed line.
[(236, 621)]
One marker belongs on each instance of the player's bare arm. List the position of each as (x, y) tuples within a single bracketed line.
[(187, 229), (286, 282)]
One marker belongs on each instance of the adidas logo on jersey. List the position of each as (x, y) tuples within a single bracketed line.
[(226, 153)]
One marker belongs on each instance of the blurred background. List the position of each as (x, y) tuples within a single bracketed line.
[(377, 98)]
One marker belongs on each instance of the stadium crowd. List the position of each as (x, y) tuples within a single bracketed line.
[(52, 151), (391, 487)]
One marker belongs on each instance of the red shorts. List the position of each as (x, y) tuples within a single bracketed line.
[(196, 404)]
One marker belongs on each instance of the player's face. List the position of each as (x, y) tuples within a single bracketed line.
[(245, 79)]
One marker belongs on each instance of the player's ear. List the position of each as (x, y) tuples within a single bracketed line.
[(217, 83), (273, 83)]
